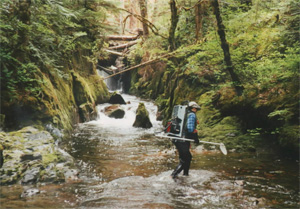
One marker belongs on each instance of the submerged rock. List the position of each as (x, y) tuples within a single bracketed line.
[(142, 119), (118, 113), (114, 111), (30, 192)]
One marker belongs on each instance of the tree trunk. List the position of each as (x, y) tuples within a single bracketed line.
[(174, 21), (155, 11), (225, 46), (132, 6), (144, 14), (199, 20), (23, 41)]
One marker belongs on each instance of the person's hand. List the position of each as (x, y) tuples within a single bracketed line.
[(195, 131), (197, 121)]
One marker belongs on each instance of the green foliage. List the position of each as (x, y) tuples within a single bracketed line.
[(22, 79), (57, 29), (263, 39), (186, 25), (140, 50)]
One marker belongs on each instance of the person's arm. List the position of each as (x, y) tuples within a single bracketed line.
[(191, 123)]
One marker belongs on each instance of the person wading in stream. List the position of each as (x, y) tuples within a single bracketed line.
[(183, 147)]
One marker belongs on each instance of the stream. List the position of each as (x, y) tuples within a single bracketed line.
[(125, 167)]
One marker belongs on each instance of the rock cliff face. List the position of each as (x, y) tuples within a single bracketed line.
[(64, 98)]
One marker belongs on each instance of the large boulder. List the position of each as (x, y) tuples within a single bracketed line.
[(116, 99), (142, 119), (32, 156), (114, 111)]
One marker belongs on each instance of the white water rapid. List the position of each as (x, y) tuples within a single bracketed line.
[(122, 128)]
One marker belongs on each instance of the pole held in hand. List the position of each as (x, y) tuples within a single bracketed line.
[(221, 145)]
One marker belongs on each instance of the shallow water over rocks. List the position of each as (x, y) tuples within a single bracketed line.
[(125, 167)]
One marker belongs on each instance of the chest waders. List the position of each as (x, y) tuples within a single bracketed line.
[(185, 156)]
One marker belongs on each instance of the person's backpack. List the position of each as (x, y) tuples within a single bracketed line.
[(175, 126)]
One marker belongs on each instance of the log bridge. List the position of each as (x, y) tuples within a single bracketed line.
[(120, 49), (119, 46)]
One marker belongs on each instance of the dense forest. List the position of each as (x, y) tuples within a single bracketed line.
[(238, 59)]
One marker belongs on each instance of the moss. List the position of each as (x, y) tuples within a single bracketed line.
[(82, 92), (59, 97), (141, 110), (49, 158), (142, 117)]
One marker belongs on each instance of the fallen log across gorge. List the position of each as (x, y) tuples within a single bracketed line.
[(142, 64), (123, 46), (115, 52), (168, 55), (122, 37)]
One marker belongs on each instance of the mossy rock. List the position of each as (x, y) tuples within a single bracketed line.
[(29, 154), (116, 99), (142, 119), (81, 90)]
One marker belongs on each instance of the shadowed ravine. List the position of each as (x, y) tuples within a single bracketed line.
[(126, 167)]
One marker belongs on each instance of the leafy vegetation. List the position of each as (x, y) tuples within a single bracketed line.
[(263, 37), (47, 38)]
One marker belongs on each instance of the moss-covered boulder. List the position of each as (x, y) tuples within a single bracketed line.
[(31, 156), (116, 99), (142, 119)]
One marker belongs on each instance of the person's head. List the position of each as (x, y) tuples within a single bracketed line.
[(194, 106)]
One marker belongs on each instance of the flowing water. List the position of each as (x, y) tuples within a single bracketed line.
[(126, 167)]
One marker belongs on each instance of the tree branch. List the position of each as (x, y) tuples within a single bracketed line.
[(144, 20)]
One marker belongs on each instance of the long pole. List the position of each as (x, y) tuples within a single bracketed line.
[(222, 146)]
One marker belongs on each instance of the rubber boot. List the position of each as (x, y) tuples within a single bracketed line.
[(177, 170), (186, 168)]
